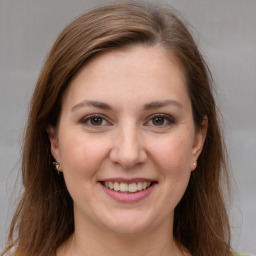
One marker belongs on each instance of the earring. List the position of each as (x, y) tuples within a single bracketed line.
[(194, 163), (57, 167)]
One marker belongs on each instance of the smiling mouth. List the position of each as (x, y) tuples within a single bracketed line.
[(127, 188)]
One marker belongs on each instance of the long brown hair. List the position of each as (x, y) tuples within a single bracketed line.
[(44, 217)]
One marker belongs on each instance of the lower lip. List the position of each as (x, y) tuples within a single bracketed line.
[(129, 197)]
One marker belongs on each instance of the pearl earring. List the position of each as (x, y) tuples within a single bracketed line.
[(57, 167)]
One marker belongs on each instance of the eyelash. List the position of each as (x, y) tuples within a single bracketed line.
[(168, 120)]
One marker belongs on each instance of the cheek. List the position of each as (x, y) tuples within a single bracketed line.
[(174, 154), (81, 158), (172, 160), (82, 155)]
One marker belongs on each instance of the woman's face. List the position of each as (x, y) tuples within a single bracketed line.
[(126, 140)]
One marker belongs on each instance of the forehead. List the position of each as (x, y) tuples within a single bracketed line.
[(142, 72), (134, 57)]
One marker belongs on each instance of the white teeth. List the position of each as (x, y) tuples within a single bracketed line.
[(125, 187), (116, 186), (133, 187), (139, 186), (111, 185)]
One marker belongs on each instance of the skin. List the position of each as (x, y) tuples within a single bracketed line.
[(126, 141)]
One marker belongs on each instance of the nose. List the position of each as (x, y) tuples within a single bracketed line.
[(128, 149)]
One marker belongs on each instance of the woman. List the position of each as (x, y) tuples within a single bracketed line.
[(123, 152)]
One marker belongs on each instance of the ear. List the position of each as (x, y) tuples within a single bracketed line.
[(199, 139), (53, 137)]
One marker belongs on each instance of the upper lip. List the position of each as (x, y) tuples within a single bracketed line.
[(128, 181)]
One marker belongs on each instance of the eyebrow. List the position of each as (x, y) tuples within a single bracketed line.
[(105, 106), (159, 104), (92, 103)]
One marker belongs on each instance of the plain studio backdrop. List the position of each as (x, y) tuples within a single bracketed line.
[(225, 31)]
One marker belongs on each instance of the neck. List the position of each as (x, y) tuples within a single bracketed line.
[(88, 240)]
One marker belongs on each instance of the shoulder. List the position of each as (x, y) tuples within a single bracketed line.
[(240, 254)]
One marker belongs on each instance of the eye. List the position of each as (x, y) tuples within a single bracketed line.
[(95, 120), (160, 120)]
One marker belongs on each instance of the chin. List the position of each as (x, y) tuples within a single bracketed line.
[(129, 224), (127, 228)]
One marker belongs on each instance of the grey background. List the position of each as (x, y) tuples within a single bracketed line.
[(227, 37)]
